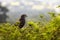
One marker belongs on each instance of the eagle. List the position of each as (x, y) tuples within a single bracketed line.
[(22, 20)]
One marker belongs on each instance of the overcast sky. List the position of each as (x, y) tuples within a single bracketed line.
[(33, 4), (31, 7)]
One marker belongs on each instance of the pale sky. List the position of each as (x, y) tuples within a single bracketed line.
[(33, 4), (30, 6)]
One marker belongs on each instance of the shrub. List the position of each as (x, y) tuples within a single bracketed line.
[(50, 31)]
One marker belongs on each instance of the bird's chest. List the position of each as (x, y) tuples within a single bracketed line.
[(22, 20)]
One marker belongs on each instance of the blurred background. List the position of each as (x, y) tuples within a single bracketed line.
[(11, 10)]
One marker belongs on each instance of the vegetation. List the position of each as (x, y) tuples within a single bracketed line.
[(33, 31)]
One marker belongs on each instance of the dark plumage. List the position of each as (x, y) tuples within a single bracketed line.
[(22, 20)]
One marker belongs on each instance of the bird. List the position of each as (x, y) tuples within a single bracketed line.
[(22, 20)]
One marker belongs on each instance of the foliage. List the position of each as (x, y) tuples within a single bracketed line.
[(33, 31)]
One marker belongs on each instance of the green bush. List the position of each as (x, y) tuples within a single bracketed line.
[(34, 31)]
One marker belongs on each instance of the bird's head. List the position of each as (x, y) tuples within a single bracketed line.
[(24, 15)]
